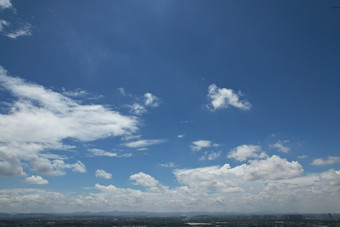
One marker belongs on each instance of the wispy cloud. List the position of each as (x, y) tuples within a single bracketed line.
[(103, 174), (181, 136), (122, 91), (22, 31), (144, 143), (167, 165), (281, 146), (137, 109), (40, 119), (329, 161), (3, 23), (210, 156), (302, 156), (222, 98), (141, 104), (200, 144), (99, 152)]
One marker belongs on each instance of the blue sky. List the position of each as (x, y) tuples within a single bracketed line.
[(169, 106)]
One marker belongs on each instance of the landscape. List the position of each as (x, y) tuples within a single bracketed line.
[(169, 113), (168, 219)]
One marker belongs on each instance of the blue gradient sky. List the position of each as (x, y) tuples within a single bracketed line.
[(169, 106)]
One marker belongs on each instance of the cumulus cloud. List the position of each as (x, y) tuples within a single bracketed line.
[(144, 180), (272, 168), (103, 174), (200, 144), (35, 180), (143, 143), (215, 187), (151, 100), (222, 98), (77, 167), (39, 119), (329, 161), (244, 152), (180, 136), (56, 167), (25, 30), (331, 176), (5, 4), (10, 165), (281, 146), (208, 178)]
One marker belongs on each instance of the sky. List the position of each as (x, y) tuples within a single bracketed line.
[(164, 106)]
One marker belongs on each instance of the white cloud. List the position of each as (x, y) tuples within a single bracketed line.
[(302, 156), (144, 180), (22, 31), (35, 180), (75, 93), (180, 136), (122, 91), (272, 168), (126, 155), (56, 167), (142, 149), (52, 156), (280, 146), (222, 98), (137, 109), (39, 119), (200, 144), (151, 100), (210, 155), (2, 24), (103, 174), (140, 107), (331, 176), (144, 143), (329, 161), (44, 166), (168, 165), (208, 178), (5, 4), (99, 152), (77, 167), (10, 165), (244, 152), (216, 188), (42, 115)]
